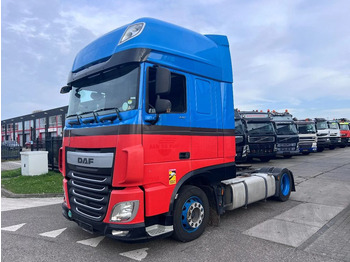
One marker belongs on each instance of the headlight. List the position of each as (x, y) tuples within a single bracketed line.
[(131, 32), (124, 211)]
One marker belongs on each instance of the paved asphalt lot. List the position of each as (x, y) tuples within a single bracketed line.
[(314, 225)]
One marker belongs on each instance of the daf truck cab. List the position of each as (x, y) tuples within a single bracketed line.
[(345, 131), (323, 134), (334, 134), (261, 135), (149, 139), (307, 136), (242, 148), (287, 134)]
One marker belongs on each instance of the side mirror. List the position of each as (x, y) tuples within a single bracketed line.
[(65, 89), (163, 81), (162, 105)]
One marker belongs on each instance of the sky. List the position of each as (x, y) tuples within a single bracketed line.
[(290, 54)]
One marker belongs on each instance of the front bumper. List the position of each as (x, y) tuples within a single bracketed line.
[(287, 151), (307, 147), (323, 142), (136, 232)]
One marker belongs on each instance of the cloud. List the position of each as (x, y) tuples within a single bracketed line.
[(288, 54)]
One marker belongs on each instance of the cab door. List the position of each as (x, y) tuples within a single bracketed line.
[(166, 136)]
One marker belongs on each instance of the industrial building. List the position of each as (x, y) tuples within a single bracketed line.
[(38, 125)]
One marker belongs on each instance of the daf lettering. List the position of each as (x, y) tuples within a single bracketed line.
[(85, 160)]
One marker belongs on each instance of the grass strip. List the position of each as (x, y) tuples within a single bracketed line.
[(10, 173), (47, 183)]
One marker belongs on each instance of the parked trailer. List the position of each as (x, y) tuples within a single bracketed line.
[(149, 140)]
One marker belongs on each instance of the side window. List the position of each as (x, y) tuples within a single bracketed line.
[(177, 95)]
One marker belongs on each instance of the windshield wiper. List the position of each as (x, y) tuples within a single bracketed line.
[(88, 112), (110, 108), (71, 122)]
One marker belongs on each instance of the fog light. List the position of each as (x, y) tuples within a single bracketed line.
[(69, 214), (119, 233), (124, 211)]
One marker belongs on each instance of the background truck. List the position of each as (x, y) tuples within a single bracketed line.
[(334, 134), (307, 136), (344, 130), (242, 147), (287, 134), (323, 137), (149, 140), (261, 135)]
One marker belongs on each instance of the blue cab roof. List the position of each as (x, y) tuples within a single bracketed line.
[(170, 45)]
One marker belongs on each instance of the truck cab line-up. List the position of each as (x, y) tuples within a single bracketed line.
[(149, 140)]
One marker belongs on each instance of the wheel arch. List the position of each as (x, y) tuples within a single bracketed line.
[(204, 178)]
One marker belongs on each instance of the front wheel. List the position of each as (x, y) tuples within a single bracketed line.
[(191, 214)]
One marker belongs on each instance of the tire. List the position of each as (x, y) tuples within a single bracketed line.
[(288, 156), (305, 153), (285, 186), (191, 214), (331, 147)]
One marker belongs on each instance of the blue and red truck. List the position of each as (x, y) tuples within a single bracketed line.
[(149, 140)]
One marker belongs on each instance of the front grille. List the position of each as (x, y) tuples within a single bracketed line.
[(305, 145), (89, 193), (89, 188), (335, 139), (321, 140), (289, 140), (261, 148), (307, 139), (261, 139)]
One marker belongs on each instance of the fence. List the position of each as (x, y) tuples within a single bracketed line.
[(52, 145), (10, 152)]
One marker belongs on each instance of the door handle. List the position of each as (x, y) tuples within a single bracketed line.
[(184, 155)]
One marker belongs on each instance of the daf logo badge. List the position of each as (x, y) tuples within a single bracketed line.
[(85, 160)]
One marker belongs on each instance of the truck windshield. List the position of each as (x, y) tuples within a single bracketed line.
[(321, 125), (112, 89), (344, 127), (286, 129), (333, 125), (260, 128), (307, 129), (239, 127)]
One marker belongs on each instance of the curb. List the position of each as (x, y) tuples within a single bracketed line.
[(9, 194)]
